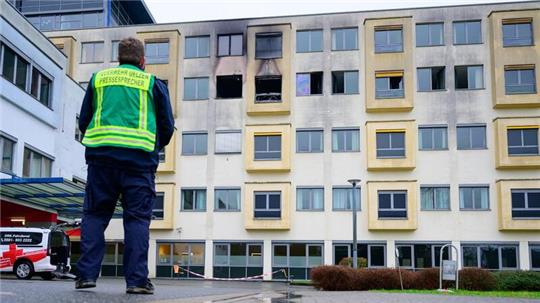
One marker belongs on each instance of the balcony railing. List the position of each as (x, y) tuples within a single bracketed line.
[(389, 94), (520, 89)]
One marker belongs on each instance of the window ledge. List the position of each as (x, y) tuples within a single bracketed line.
[(435, 210), (432, 91), (309, 52), (435, 45), (472, 210), (438, 149)]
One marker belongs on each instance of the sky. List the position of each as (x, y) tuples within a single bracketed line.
[(165, 11)]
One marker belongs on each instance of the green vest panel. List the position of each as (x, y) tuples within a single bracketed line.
[(124, 112)]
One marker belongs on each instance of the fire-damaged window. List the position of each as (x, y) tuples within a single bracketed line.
[(268, 89), (268, 45), (228, 87)]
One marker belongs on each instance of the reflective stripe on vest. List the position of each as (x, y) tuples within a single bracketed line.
[(120, 135)]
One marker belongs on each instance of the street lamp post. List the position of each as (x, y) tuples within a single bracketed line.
[(355, 246)]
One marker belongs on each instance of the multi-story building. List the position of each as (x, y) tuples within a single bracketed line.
[(436, 110), (47, 15), (42, 159)]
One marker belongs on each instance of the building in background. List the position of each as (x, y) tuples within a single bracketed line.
[(47, 15), (436, 110), (42, 168)]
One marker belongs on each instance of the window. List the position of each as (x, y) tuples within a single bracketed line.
[(309, 198), (78, 133), (471, 137), (433, 137), (342, 198), (517, 34), (490, 256), (268, 45), (229, 87), (230, 45), (435, 197), (309, 41), (41, 87), (36, 165), (197, 47), (227, 199), (228, 142), (345, 82), (268, 147), (467, 32), (194, 144), (309, 141), (196, 88), (194, 199), (162, 155), (92, 52), (418, 256), (389, 85), (519, 81), (522, 141), (114, 51), (390, 144), (431, 78), (392, 204), (344, 39), (526, 203), (474, 197), (375, 254), (296, 258), (238, 260), (15, 68), (388, 40), (156, 52), (309, 83), (267, 205), (158, 209), (535, 256), (6, 154), (345, 140), (429, 34), (268, 89), (189, 256)]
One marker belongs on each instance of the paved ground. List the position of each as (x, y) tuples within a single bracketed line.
[(182, 291)]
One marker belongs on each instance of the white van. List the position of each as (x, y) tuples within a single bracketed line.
[(27, 251)]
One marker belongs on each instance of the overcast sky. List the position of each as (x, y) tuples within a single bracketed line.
[(165, 11)]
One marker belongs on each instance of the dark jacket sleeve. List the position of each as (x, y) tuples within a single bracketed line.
[(164, 115), (87, 109)]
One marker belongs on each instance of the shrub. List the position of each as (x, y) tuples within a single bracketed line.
[(518, 280), (427, 279), (329, 277), (476, 279), (362, 262)]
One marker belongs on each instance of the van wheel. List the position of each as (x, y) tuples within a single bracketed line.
[(47, 276), (24, 270)]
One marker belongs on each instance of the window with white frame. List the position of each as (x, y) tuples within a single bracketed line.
[(473, 197), (228, 141), (158, 210), (308, 41), (114, 50), (197, 47), (435, 197), (522, 141), (469, 77), (471, 137), (345, 82), (194, 199), (467, 32), (433, 137), (526, 203), (309, 141), (389, 85), (36, 165), (308, 84), (156, 52), (431, 78), (420, 255), (267, 147), (490, 256), (196, 88), (6, 154), (519, 80), (194, 144), (230, 45), (390, 144), (267, 205), (345, 140), (342, 198), (310, 198), (227, 199), (388, 40), (344, 39), (392, 204), (374, 253), (518, 33), (92, 52), (430, 34)]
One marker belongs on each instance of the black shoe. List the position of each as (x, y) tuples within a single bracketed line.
[(147, 289), (82, 284)]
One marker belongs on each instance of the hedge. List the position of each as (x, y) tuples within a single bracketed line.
[(336, 277)]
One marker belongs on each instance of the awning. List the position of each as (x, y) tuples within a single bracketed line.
[(57, 194)]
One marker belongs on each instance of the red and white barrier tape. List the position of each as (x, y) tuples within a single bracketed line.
[(177, 269)]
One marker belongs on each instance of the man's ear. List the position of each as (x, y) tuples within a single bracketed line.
[(142, 63)]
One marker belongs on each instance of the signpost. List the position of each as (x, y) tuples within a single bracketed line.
[(448, 268), (399, 269)]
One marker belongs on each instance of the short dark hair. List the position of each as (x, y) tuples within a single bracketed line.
[(130, 51)]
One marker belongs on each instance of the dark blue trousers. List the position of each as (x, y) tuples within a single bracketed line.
[(137, 193)]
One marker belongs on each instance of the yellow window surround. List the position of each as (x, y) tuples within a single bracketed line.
[(391, 73), (390, 131), (268, 134), (519, 67), (523, 127), (517, 20), (156, 40), (388, 27)]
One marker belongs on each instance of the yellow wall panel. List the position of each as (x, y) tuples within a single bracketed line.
[(502, 159), (406, 163), (374, 223), (250, 222), (504, 205)]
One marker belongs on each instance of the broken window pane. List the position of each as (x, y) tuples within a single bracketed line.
[(309, 84), (229, 86), (268, 89)]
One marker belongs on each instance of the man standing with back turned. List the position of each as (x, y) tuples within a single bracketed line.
[(126, 119)]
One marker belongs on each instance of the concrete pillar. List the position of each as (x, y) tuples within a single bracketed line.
[(328, 253), (208, 259), (524, 255), (391, 253), (152, 252), (267, 259)]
